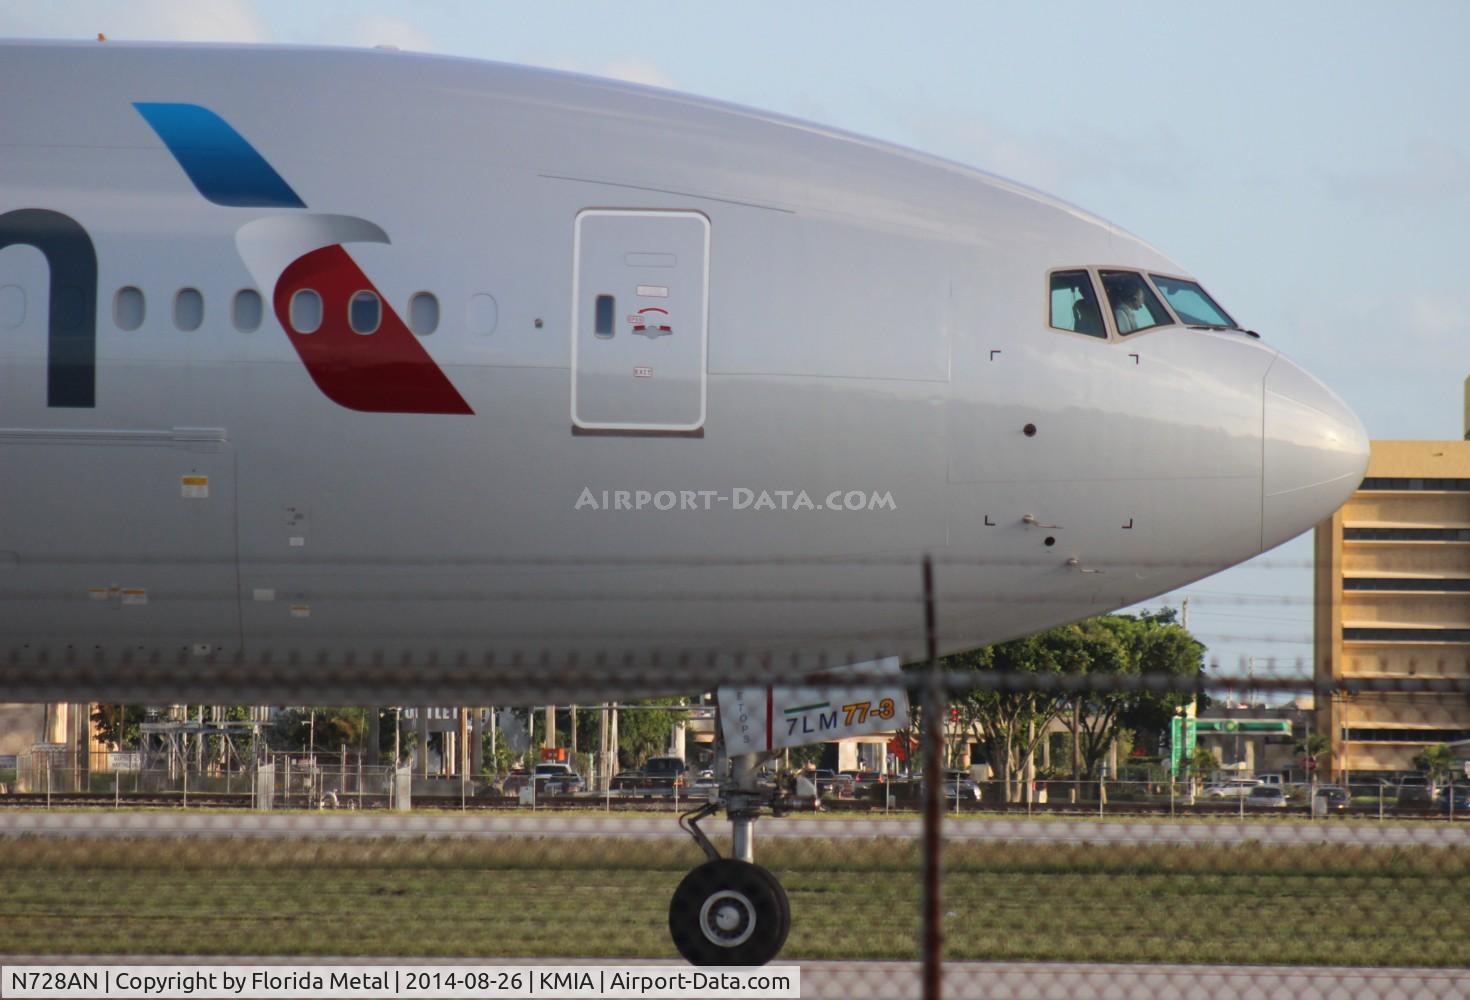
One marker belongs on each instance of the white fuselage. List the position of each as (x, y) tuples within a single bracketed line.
[(257, 514)]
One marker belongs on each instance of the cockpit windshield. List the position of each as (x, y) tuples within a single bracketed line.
[(1135, 306), (1191, 304)]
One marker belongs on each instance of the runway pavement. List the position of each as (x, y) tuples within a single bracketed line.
[(341, 824)]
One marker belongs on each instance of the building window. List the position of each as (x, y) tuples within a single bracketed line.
[(1406, 534), (1407, 485), (1406, 634), (1407, 585), (1367, 735)]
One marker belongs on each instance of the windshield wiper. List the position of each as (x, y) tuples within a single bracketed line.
[(1213, 326)]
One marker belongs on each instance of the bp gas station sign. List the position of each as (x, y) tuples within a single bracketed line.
[(1183, 733)]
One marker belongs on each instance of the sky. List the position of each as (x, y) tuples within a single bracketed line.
[(1308, 162)]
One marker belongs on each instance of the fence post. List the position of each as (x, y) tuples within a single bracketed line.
[(116, 789), (933, 811)]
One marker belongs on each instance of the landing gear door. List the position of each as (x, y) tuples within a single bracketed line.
[(640, 316)]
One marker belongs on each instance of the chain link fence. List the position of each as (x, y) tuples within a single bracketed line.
[(1098, 810)]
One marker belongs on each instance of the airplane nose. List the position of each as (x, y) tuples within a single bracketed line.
[(1315, 451)]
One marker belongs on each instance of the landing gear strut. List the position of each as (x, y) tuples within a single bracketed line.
[(731, 911)]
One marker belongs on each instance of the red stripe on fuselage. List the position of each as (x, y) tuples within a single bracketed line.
[(387, 371)]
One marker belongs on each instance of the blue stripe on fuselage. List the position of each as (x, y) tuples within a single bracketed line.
[(223, 166)]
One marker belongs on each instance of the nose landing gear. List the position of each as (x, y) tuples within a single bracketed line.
[(731, 911)]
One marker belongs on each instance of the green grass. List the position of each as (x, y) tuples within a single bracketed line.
[(850, 899)]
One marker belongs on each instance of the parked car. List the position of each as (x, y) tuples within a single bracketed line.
[(1415, 790), (557, 779), (627, 782), (1335, 797), (665, 773), (959, 784), (1266, 797), (1459, 795), (1234, 788), (705, 786), (865, 779), (838, 786)]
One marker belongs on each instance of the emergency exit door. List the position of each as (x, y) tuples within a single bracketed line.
[(640, 320)]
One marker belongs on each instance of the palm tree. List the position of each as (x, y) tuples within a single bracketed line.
[(1437, 762), (1313, 747)]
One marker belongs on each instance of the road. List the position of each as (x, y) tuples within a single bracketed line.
[(94, 823)]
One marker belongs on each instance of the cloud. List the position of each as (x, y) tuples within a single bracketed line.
[(380, 29), (152, 20)]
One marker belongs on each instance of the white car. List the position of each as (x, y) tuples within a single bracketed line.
[(1235, 788), (705, 786)]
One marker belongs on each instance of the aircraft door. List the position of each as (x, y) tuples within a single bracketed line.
[(640, 318)]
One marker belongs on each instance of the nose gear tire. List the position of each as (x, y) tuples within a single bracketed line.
[(729, 912)]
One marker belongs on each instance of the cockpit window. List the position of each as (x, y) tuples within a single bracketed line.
[(1191, 304), (1135, 306), (1074, 304)]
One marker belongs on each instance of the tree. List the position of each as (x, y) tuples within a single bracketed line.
[(1201, 765), (1437, 762), (497, 755), (1009, 718), (1153, 648), (644, 733), (333, 728), (118, 724), (1101, 652), (1313, 747)]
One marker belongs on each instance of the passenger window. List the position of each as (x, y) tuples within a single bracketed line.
[(364, 313), (306, 311), (246, 311), (602, 320), (1191, 304), (1135, 306), (423, 313), (1074, 304), (188, 310), (128, 308)]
